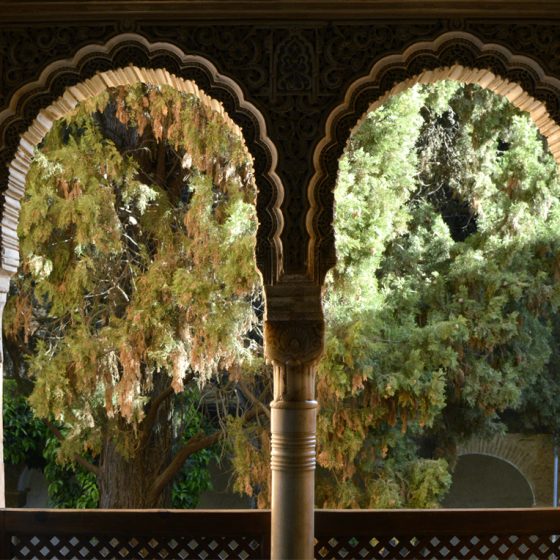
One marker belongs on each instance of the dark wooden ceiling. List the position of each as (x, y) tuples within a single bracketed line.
[(48, 10)]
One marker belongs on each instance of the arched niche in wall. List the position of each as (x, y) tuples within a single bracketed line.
[(124, 60), (530, 454), (487, 481), (456, 56)]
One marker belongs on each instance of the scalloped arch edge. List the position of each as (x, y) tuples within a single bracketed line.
[(118, 76), (549, 128)]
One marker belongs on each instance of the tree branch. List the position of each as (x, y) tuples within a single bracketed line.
[(251, 396), (160, 164), (196, 443), (78, 458), (149, 420)]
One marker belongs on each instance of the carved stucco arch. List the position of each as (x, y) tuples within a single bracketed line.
[(127, 59), (455, 55)]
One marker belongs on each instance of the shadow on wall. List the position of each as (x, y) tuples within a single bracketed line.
[(222, 496), (28, 488), (25, 487)]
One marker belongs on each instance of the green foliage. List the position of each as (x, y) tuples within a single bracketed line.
[(442, 312), (250, 448), (168, 285), (441, 309), (137, 237), (192, 480), (27, 440), (69, 485), (194, 477), (24, 434), (426, 479)]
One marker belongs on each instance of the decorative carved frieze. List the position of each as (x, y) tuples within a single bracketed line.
[(296, 75)]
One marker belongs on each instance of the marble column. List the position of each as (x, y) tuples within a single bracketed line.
[(294, 333)]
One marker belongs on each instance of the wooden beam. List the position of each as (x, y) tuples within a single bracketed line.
[(243, 10)]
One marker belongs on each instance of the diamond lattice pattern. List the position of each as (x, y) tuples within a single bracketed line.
[(124, 548), (482, 547)]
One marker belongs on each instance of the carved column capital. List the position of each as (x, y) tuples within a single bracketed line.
[(294, 342), (294, 325)]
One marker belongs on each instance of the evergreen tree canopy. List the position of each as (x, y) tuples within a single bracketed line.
[(137, 236), (441, 312)]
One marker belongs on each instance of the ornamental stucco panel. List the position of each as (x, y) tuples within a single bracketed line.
[(295, 74)]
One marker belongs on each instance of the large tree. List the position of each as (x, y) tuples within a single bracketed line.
[(137, 234), (442, 308), (442, 312)]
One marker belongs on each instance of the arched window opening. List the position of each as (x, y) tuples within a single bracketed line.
[(134, 320), (441, 312)]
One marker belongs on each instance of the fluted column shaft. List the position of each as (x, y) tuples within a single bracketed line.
[(294, 344)]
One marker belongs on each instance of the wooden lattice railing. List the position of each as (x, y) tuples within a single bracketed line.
[(244, 534), (133, 534), (510, 534)]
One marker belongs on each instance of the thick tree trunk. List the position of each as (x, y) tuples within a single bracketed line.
[(126, 483)]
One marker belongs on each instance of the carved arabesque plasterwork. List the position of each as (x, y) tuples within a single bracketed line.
[(537, 41), (295, 74), (293, 106), (293, 63)]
